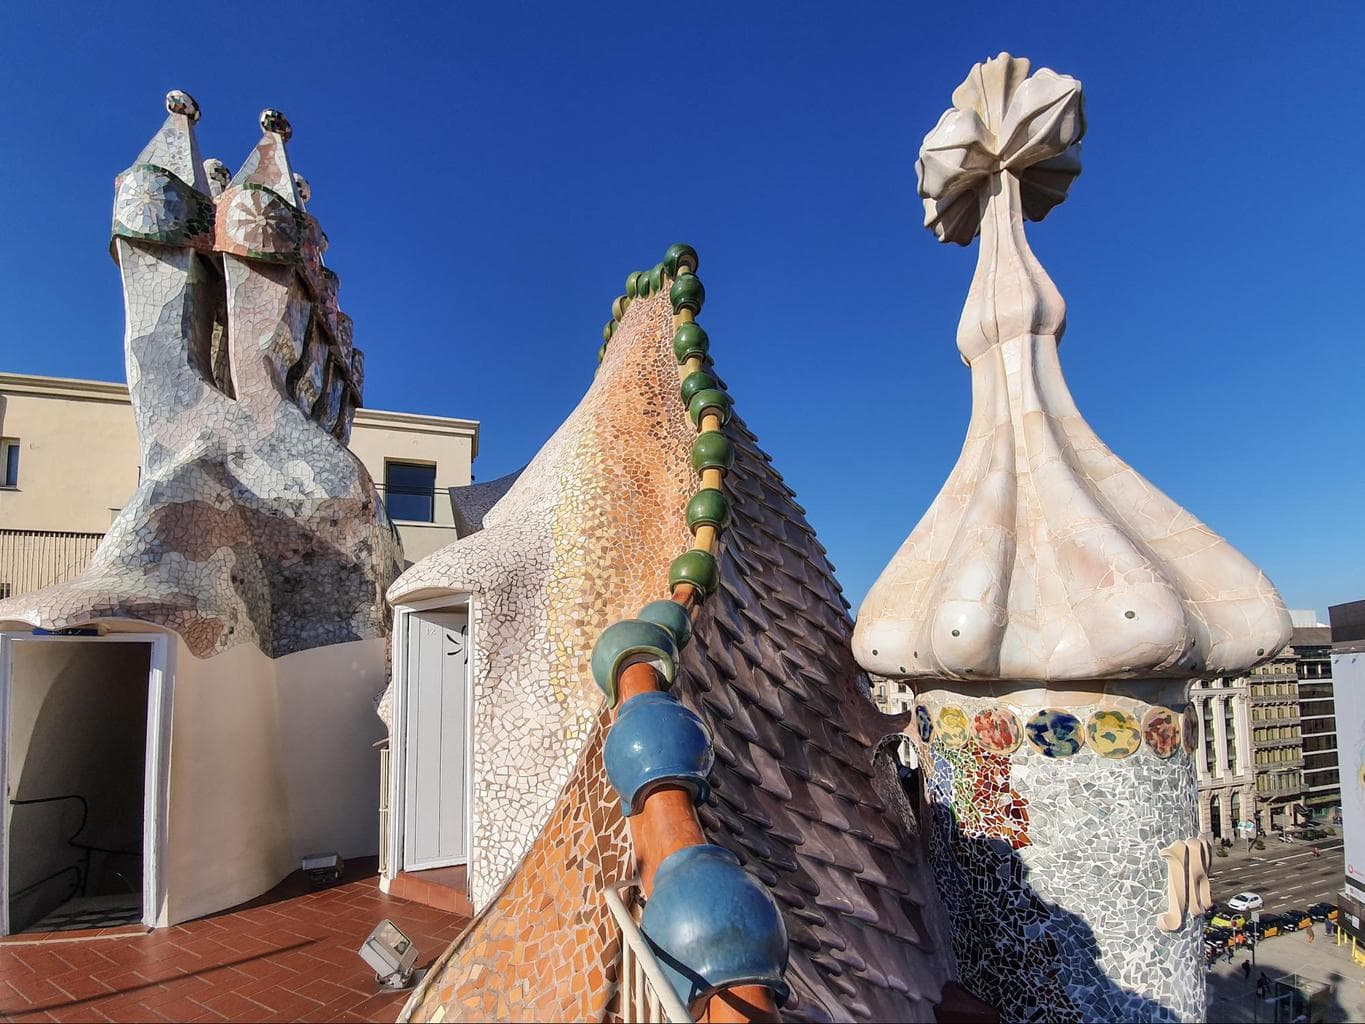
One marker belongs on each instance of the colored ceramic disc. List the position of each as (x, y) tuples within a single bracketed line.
[(1114, 734), (1055, 733)]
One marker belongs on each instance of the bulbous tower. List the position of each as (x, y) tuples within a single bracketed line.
[(1051, 608)]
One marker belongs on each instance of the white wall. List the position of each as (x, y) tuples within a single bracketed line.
[(77, 724), (270, 760), (226, 835)]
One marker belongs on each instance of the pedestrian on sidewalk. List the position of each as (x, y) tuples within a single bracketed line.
[(1246, 969), (1262, 985), (1310, 931)]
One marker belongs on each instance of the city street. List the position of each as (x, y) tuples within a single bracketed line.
[(1287, 875), (1320, 970)]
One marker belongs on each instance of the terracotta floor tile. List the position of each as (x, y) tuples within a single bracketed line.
[(289, 960)]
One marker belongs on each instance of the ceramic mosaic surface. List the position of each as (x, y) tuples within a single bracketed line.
[(770, 672), (583, 537), (1047, 566), (1044, 556), (252, 523), (1051, 869)]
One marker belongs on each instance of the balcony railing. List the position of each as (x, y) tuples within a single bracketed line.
[(30, 559), (1259, 742), (646, 997)]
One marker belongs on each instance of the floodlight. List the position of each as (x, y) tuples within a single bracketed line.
[(390, 954)]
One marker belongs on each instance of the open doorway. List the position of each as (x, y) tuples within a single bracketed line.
[(75, 770)]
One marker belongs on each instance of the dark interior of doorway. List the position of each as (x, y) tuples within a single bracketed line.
[(76, 772)]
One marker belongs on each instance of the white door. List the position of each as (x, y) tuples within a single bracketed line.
[(435, 739)]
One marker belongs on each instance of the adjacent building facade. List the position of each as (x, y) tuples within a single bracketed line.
[(1223, 759), (892, 696), (1267, 742), (1317, 707), (69, 452)]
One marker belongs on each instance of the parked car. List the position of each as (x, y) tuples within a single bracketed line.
[(1270, 924), (1298, 919), (1246, 901), (1323, 912), (1223, 919)]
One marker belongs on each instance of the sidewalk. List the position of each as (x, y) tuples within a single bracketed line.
[(1309, 966)]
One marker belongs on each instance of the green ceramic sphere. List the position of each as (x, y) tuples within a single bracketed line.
[(608, 330), (712, 450), (708, 507), (690, 340), (656, 278), (672, 616), (619, 307), (697, 568), (602, 352), (687, 293), (699, 380), (679, 257), (709, 398), (633, 284)]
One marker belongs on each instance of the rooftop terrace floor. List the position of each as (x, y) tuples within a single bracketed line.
[(288, 956)]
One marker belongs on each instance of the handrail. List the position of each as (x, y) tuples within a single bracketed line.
[(85, 810), (81, 868), (80, 882), (653, 1002)]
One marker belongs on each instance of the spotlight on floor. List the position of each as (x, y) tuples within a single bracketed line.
[(391, 954)]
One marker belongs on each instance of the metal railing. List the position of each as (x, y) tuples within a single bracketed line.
[(30, 559), (384, 817), (646, 997)]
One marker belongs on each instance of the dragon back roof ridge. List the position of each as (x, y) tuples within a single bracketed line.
[(768, 672)]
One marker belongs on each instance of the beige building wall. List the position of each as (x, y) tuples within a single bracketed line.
[(78, 464), (78, 453)]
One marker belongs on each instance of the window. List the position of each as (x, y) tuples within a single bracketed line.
[(1208, 736), (1230, 732), (409, 491), (9, 462), (4, 591)]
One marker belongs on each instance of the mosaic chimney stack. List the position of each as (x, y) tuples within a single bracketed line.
[(1051, 608), (252, 522)]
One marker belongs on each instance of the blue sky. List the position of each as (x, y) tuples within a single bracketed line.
[(488, 175)]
